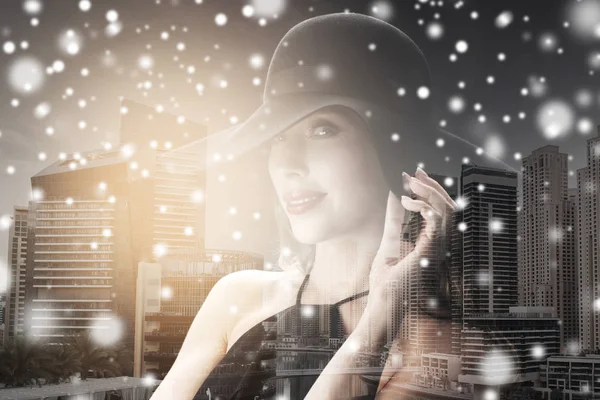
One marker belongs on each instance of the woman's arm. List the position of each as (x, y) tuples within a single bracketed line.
[(204, 345)]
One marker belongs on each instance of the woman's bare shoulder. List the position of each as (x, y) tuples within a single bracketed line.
[(260, 278)]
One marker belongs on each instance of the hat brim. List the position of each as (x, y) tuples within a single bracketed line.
[(272, 118)]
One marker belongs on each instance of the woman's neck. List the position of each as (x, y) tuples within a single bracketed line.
[(341, 268)]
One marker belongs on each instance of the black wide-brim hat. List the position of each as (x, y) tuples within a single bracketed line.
[(357, 61)]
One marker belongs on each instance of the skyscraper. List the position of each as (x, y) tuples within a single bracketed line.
[(484, 263), (588, 227), (14, 318), (547, 259), (102, 212), (426, 334)]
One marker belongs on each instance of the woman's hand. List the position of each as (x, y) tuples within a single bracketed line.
[(396, 255)]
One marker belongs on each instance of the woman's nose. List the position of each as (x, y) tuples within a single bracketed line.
[(289, 158)]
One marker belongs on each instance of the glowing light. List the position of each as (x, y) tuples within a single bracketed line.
[(9, 47), (382, 10), (113, 29), (42, 110), (496, 225), (423, 92), (490, 394), (220, 19), (268, 8), (237, 235), (145, 62), (538, 351), (548, 42), (462, 226), (189, 231), (257, 61), (37, 194), (69, 201), (106, 232), (308, 311), (107, 331), (424, 262), (584, 17), (555, 119), (198, 196), (456, 104), (166, 293), (504, 19), (494, 146), (585, 126), (112, 15), (461, 46), (248, 11), (127, 150), (33, 7), (85, 5), (160, 250), (70, 42), (5, 222), (26, 75)]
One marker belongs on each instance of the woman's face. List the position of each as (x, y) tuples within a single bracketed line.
[(327, 175)]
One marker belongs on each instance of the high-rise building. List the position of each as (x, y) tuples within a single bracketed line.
[(547, 255), (588, 239), (2, 317), (99, 213), (426, 333), (484, 255), (14, 318)]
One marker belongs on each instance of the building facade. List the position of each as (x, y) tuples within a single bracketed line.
[(547, 254), (428, 334), (484, 246), (508, 348), (102, 212), (14, 311), (588, 228)]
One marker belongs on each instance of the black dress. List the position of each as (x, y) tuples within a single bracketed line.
[(249, 369)]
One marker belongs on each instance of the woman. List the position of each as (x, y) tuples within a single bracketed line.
[(344, 109)]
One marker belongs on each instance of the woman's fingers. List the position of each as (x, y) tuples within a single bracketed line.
[(394, 219), (432, 217), (422, 175), (431, 196)]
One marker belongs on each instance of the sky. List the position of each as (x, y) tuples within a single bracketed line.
[(507, 76)]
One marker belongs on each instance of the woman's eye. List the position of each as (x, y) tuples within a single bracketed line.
[(322, 131)]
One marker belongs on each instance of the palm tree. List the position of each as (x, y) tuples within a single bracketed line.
[(94, 358), (123, 357), (64, 362), (23, 362)]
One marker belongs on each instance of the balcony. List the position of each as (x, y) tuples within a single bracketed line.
[(164, 337), (169, 317)]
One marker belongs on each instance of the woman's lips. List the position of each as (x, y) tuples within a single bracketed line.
[(302, 205)]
